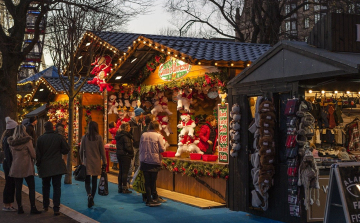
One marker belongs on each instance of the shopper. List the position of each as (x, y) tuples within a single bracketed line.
[(148, 118), (124, 153), (91, 153), (22, 166), (208, 135), (60, 127), (136, 129), (9, 189), (151, 145), (30, 129), (50, 164)]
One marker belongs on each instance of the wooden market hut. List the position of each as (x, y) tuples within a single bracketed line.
[(135, 60)]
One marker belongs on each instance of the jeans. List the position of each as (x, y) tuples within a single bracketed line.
[(124, 166), (9, 189), (30, 180), (56, 182), (150, 185), (88, 188), (135, 163)]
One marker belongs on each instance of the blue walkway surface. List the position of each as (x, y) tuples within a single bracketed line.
[(129, 208)]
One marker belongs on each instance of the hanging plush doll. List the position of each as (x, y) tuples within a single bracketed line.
[(164, 104), (113, 129), (157, 106), (112, 104), (164, 124), (184, 99), (101, 71), (186, 125), (309, 178)]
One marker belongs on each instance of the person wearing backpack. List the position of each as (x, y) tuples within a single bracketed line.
[(124, 153), (50, 148)]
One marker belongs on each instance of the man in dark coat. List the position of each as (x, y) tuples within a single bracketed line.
[(50, 164), (30, 129)]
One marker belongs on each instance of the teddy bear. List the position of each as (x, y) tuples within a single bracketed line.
[(235, 145), (164, 104), (112, 104), (235, 110), (174, 96), (235, 135), (120, 100), (166, 143), (164, 124), (157, 107), (192, 146), (181, 149), (186, 125), (184, 99)]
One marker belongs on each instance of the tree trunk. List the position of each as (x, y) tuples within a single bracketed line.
[(68, 176), (8, 99)]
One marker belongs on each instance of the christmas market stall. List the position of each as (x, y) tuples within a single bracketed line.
[(182, 82), (299, 108), (49, 91)]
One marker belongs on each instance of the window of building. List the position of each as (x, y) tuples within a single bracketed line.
[(287, 26), (307, 22), (306, 7), (316, 7), (317, 17), (287, 9), (306, 38), (351, 8)]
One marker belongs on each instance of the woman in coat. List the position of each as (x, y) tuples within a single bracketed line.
[(9, 189), (124, 153), (91, 153), (151, 145), (208, 136), (22, 166)]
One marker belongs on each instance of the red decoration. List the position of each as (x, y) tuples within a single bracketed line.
[(157, 59)]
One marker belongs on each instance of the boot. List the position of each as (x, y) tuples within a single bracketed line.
[(126, 191), (120, 190), (20, 210), (34, 210)]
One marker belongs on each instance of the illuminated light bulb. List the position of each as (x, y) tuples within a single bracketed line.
[(199, 63), (216, 64), (232, 64), (336, 92), (124, 53), (144, 42), (162, 50), (156, 47), (149, 44), (310, 91), (129, 47), (248, 65), (139, 39), (322, 92), (169, 52), (347, 92), (183, 58)]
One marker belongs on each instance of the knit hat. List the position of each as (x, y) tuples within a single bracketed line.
[(10, 124), (33, 119), (139, 111)]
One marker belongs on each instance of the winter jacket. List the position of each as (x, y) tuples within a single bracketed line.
[(60, 129), (124, 145), (204, 136), (94, 153), (30, 129), (49, 160), (7, 152), (23, 154), (136, 129), (151, 145)]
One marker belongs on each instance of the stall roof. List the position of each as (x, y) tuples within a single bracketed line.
[(37, 112), (48, 72), (295, 60), (56, 84), (200, 49)]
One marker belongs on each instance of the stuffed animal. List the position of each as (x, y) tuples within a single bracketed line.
[(164, 124), (166, 143), (101, 70), (235, 110), (120, 100), (112, 104), (235, 145), (192, 146), (102, 83), (157, 107), (113, 129), (174, 96), (127, 100), (180, 150), (186, 125), (164, 104), (235, 135), (134, 103), (184, 100)]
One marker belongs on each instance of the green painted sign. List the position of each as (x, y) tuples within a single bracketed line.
[(223, 131), (173, 69)]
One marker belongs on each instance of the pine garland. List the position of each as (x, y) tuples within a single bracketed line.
[(214, 79), (149, 68), (88, 110), (194, 169)]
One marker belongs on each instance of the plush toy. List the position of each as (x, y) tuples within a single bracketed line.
[(112, 105), (192, 146), (113, 129), (235, 135), (164, 124), (147, 106), (166, 143), (164, 104), (175, 94), (184, 100), (235, 146), (101, 70), (120, 100), (157, 107), (180, 150), (127, 100), (186, 125), (235, 110), (134, 103)]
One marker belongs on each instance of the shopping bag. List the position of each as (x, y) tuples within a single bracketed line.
[(80, 173), (135, 175), (103, 188), (139, 183)]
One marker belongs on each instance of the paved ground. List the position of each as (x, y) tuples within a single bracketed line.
[(10, 217)]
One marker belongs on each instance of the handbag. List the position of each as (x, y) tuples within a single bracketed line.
[(80, 172), (291, 108), (103, 188)]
